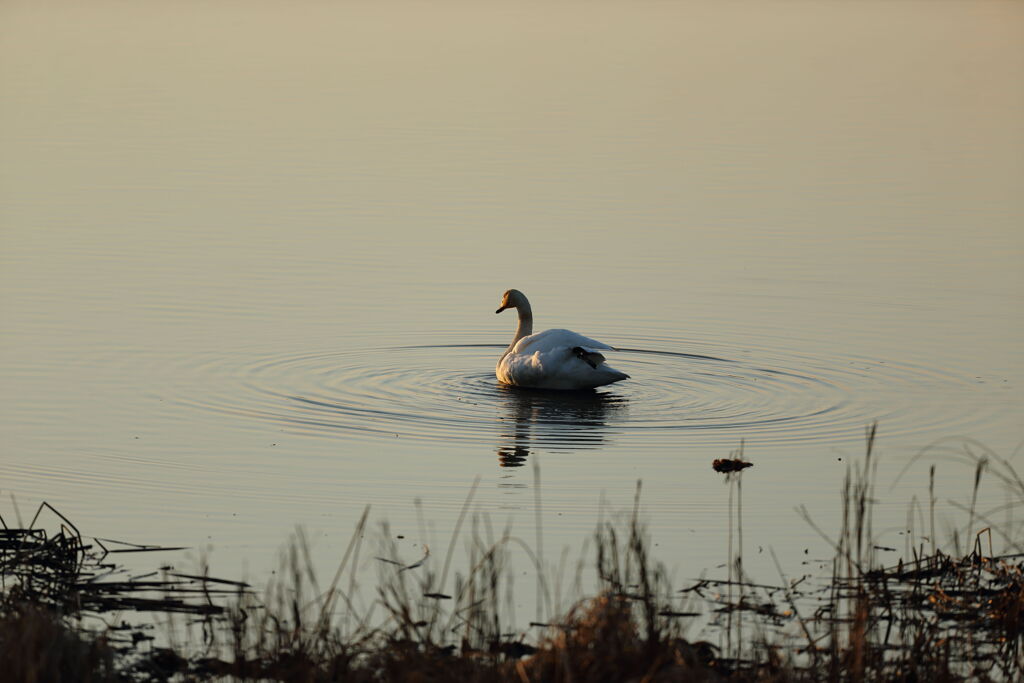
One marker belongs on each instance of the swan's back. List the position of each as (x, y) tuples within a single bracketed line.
[(557, 359), (549, 340)]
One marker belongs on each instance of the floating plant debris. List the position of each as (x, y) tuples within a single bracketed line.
[(726, 465), (60, 569)]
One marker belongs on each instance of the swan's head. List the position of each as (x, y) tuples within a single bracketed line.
[(512, 298)]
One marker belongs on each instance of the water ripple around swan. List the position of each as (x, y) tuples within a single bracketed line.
[(448, 393)]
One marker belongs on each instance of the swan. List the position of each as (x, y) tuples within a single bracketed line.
[(553, 359)]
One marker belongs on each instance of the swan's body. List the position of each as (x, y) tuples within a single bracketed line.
[(553, 359)]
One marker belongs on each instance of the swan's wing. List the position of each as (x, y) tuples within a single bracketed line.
[(557, 359), (551, 340), (591, 358)]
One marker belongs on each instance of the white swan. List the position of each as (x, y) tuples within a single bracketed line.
[(553, 359)]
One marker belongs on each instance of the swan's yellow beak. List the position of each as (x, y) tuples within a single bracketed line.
[(501, 309)]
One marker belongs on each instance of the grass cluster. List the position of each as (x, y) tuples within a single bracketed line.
[(933, 615)]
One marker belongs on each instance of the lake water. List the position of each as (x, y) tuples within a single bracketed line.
[(251, 254)]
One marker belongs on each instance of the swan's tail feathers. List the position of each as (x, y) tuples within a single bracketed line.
[(591, 358), (611, 375)]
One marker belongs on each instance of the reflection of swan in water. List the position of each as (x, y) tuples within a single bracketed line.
[(556, 420)]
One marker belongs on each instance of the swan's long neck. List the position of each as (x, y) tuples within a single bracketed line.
[(525, 326)]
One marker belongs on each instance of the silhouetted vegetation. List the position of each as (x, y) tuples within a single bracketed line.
[(935, 615)]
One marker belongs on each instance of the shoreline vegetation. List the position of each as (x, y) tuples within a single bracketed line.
[(939, 614)]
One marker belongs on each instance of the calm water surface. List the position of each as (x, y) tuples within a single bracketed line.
[(251, 253)]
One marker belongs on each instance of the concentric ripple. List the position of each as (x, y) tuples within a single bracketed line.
[(448, 393)]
